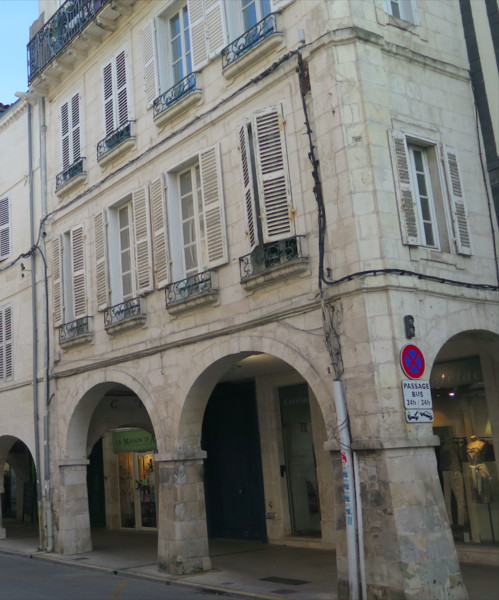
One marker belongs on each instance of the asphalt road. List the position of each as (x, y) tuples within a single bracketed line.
[(33, 579)]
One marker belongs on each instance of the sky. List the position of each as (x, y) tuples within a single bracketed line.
[(16, 16)]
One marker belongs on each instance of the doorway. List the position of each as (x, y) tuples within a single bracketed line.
[(137, 490)]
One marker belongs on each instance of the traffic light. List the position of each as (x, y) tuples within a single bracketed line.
[(410, 328)]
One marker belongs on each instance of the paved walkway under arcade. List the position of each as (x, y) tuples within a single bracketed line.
[(240, 568)]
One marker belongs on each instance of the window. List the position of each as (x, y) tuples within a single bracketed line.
[(265, 175), (68, 276), (402, 9), (115, 92), (6, 335), (254, 11), (70, 131), (426, 197), (123, 250), (5, 228)]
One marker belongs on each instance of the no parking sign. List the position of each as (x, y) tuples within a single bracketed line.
[(412, 361)]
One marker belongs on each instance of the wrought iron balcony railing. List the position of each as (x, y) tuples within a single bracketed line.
[(124, 132), (72, 171), (123, 312), (192, 286), (74, 329), (58, 32), (180, 90), (270, 255), (249, 39)]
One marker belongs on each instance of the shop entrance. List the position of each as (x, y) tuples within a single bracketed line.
[(235, 504)]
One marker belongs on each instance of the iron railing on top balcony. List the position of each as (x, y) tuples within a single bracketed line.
[(124, 132), (249, 39), (74, 329), (270, 255), (59, 30), (123, 312), (72, 171), (194, 285), (181, 89)]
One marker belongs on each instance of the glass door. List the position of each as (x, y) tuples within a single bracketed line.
[(137, 489), (146, 489)]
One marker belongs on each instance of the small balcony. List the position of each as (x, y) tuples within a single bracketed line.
[(262, 38), (75, 332), (125, 315), (115, 144), (272, 262), (194, 291), (178, 98), (71, 177)]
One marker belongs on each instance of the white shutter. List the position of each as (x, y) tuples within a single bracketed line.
[(142, 241), (159, 229), (216, 28), (403, 186), (65, 136), (457, 202), (78, 271), (58, 308), (272, 174), (213, 206), (5, 228), (75, 128), (121, 89), (248, 187), (6, 366), (109, 99), (150, 62), (101, 268), (199, 46)]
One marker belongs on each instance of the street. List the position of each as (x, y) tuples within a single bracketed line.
[(22, 578)]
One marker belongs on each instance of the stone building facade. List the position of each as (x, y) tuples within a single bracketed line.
[(245, 203)]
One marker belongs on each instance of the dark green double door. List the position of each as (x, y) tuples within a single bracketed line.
[(235, 503)]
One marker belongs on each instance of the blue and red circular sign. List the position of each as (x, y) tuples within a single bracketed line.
[(412, 361)]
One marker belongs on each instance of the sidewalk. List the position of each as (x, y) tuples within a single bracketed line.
[(240, 568)]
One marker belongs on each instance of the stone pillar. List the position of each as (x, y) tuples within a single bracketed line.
[(73, 535), (407, 542), (3, 535), (182, 533)]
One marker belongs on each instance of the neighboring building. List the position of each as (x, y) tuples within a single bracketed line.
[(252, 209)]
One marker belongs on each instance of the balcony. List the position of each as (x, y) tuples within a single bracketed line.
[(192, 292), (251, 46), (272, 262), (71, 177), (75, 332), (178, 98), (115, 144), (68, 35), (125, 315)]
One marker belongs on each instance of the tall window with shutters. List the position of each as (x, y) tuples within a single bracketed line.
[(6, 342), (265, 177), (70, 120), (115, 92), (5, 228), (68, 276), (431, 201), (123, 250)]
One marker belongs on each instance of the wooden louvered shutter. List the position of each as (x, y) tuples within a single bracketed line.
[(457, 202), (199, 46), (248, 187), (6, 358), (272, 174), (75, 128), (403, 186), (142, 241), (150, 62), (101, 268), (58, 303), (78, 272), (65, 136), (5, 228), (216, 29), (109, 98), (121, 88), (213, 206), (159, 229)]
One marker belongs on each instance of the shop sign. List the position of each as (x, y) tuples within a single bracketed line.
[(134, 440)]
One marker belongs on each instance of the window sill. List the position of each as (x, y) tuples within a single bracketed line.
[(275, 274), (117, 151), (194, 97), (71, 184), (85, 338), (202, 299), (254, 55), (131, 323)]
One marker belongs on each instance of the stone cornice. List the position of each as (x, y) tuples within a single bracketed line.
[(13, 115)]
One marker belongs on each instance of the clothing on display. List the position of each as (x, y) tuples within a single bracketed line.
[(477, 451)]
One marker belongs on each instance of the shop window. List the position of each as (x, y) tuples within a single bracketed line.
[(466, 456)]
